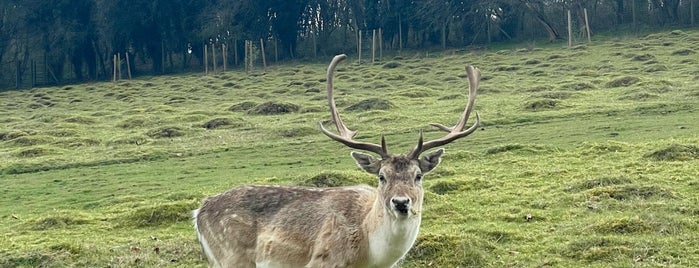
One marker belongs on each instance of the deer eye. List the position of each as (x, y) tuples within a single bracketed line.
[(382, 178), (418, 177)]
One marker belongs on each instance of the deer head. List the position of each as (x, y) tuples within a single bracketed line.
[(400, 176)]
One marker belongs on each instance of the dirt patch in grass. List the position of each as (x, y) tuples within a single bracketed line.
[(166, 132), (642, 57), (33, 152), (175, 100), (663, 108), (447, 186), (242, 106), (336, 179), (391, 65), (541, 104), (683, 52), (312, 90), (271, 108), (78, 142), (539, 88), (506, 68), (600, 182), (136, 122), (522, 148), (297, 132), (532, 62), (225, 122), (280, 91), (675, 152), (180, 196), (40, 103), (624, 81), (378, 85), (84, 120), (10, 135), (655, 68), (629, 191), (370, 104), (231, 85), (557, 95), (31, 259), (60, 133), (161, 214), (504, 148), (638, 96), (578, 86), (54, 222), (451, 97), (601, 148), (73, 249), (416, 94)]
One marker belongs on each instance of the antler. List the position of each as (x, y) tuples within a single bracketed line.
[(457, 131), (346, 135)]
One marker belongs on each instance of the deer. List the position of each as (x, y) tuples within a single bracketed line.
[(333, 227)]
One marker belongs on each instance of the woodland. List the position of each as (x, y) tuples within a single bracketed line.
[(65, 41)]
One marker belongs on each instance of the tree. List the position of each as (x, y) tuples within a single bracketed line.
[(536, 8)]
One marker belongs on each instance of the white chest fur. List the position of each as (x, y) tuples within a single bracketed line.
[(389, 243)]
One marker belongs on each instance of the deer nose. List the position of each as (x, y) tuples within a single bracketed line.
[(401, 203)]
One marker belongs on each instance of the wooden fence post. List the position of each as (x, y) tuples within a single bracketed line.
[(380, 44), (587, 26), (264, 58), (206, 59), (114, 67), (128, 65), (225, 55), (570, 30), (32, 74), (359, 47), (373, 46), (213, 55), (119, 65)]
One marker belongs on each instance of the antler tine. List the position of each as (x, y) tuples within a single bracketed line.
[(457, 131), (345, 134)]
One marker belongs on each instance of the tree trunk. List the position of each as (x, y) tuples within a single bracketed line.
[(444, 35), (619, 12), (552, 33)]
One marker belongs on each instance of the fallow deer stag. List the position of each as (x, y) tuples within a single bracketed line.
[(358, 226)]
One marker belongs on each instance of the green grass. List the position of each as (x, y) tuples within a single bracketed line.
[(597, 143)]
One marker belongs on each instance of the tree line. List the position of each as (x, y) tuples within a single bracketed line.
[(76, 39)]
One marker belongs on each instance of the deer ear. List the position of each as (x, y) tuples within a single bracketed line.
[(430, 160), (367, 162)]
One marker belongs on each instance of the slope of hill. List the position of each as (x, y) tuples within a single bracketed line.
[(597, 143)]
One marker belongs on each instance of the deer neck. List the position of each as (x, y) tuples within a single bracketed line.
[(389, 238)]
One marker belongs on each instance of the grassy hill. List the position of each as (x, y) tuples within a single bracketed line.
[(597, 143)]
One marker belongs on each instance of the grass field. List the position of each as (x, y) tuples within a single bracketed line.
[(598, 143)]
